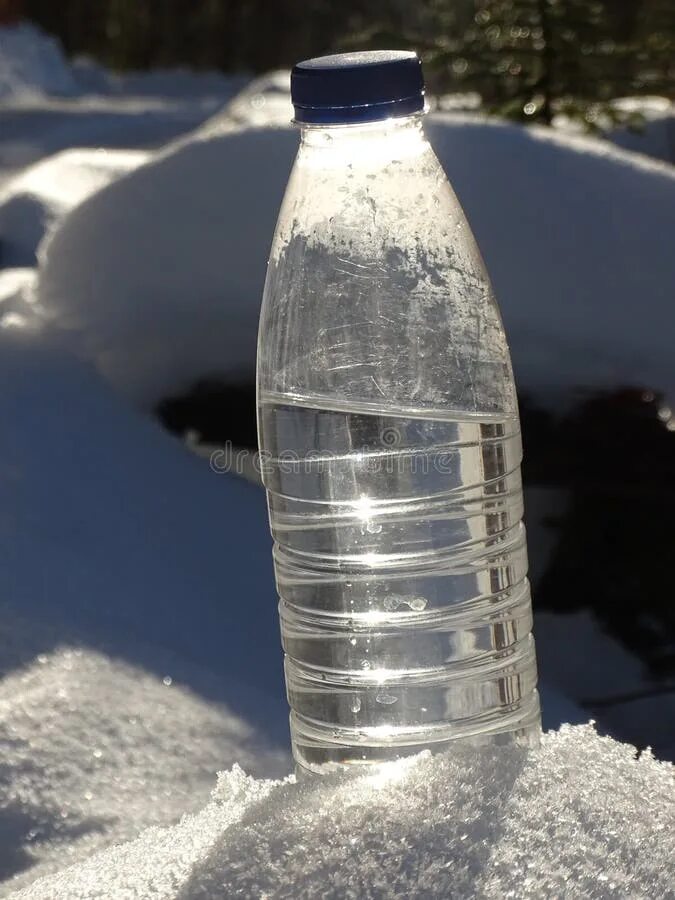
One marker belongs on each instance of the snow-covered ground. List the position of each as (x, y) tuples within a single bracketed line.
[(654, 130), (32, 64), (579, 817), (127, 571), (48, 104), (140, 651)]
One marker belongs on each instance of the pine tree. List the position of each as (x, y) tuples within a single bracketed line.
[(532, 59)]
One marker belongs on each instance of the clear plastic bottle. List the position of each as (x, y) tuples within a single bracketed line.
[(390, 439)]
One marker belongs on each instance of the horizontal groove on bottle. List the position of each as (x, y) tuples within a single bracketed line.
[(464, 553), (455, 494), (384, 451), (428, 508), (473, 668), (319, 734), (296, 568), (402, 575), (482, 610)]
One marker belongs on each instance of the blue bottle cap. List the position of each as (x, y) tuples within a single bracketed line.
[(348, 88)]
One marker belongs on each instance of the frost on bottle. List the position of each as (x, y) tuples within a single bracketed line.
[(390, 439)]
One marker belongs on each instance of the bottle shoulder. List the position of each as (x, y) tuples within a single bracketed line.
[(376, 290)]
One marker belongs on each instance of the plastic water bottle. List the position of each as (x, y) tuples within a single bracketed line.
[(390, 440)]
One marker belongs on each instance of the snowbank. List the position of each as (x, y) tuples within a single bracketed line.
[(17, 307), (32, 64), (176, 83), (605, 679), (114, 533), (32, 202), (655, 135), (266, 101), (579, 817), (159, 276), (93, 750), (186, 246), (124, 561), (129, 570)]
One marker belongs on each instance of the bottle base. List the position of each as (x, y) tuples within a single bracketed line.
[(320, 752)]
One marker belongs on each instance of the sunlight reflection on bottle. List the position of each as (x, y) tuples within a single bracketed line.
[(388, 773)]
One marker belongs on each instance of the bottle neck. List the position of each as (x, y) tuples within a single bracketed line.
[(393, 138)]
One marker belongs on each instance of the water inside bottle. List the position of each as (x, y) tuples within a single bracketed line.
[(401, 566)]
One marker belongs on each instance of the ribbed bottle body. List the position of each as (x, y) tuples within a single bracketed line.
[(391, 456)]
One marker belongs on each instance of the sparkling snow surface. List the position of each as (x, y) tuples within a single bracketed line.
[(579, 817), (93, 750)]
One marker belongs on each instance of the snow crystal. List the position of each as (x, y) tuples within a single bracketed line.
[(156, 865), (578, 817)]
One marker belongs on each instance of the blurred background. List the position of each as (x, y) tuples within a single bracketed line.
[(526, 59), (144, 150)]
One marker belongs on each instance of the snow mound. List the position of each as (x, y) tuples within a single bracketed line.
[(580, 816), (127, 569), (604, 669), (113, 533), (175, 83), (35, 200), (158, 277), (158, 863), (16, 298), (93, 750), (186, 247), (265, 101), (32, 64), (655, 135)]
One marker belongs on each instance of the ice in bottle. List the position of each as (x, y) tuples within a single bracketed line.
[(390, 439)]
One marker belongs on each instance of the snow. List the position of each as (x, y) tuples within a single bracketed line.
[(655, 131), (578, 817), (606, 679), (164, 84), (48, 103), (33, 201), (93, 750), (573, 232), (124, 561), (16, 298), (177, 83), (174, 543), (265, 101), (32, 64)]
